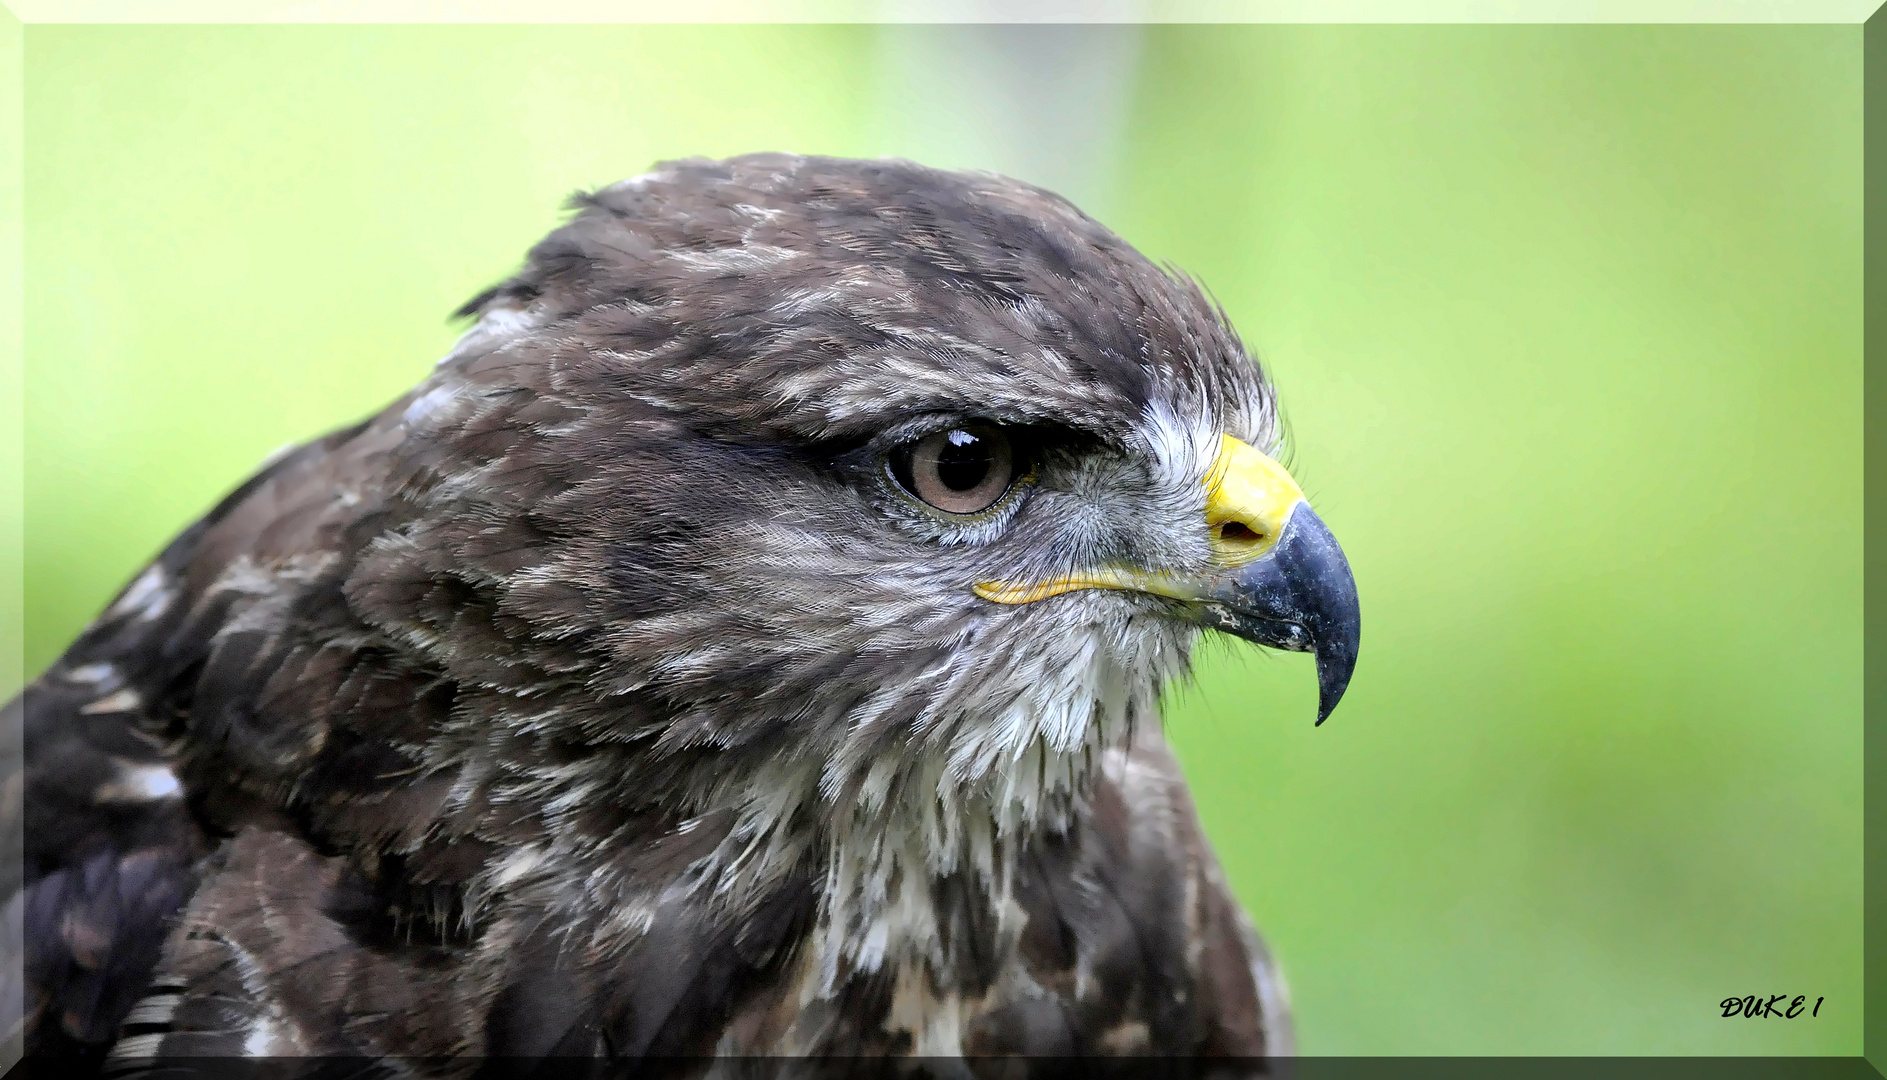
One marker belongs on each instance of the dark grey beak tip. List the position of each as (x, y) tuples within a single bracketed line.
[(1300, 596), (1333, 678)]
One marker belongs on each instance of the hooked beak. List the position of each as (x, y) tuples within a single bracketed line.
[(1278, 576)]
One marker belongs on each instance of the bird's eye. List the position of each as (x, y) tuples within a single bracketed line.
[(964, 470)]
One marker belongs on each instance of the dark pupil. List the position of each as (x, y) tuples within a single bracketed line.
[(963, 462)]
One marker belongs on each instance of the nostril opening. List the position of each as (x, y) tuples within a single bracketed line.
[(1237, 532)]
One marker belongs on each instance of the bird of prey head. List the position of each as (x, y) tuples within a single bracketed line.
[(748, 639)]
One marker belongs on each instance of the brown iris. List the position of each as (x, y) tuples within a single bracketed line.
[(964, 470)]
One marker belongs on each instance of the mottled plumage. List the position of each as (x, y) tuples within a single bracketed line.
[(605, 695)]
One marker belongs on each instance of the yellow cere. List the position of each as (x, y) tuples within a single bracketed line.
[(1249, 497)]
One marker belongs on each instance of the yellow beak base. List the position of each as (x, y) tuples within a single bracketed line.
[(1249, 499)]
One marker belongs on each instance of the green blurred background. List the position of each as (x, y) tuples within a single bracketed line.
[(1566, 321)]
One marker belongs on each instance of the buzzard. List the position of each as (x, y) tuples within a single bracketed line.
[(747, 641)]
